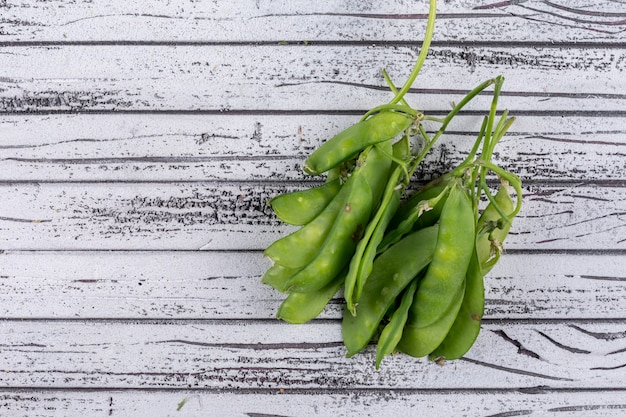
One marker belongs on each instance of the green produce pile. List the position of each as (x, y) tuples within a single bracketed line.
[(411, 267)]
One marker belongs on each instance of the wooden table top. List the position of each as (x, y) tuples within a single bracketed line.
[(140, 143)]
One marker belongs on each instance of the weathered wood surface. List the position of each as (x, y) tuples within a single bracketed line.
[(218, 216), (175, 147), (319, 403), (139, 146), (226, 285), (221, 78), (230, 354), (265, 20)]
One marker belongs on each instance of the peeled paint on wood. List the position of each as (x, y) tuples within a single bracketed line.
[(218, 354), (254, 21)]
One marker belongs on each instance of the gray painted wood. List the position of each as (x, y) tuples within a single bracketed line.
[(139, 146), (218, 216), (221, 78), (226, 285), (196, 147), (321, 403), (231, 354), (344, 20)]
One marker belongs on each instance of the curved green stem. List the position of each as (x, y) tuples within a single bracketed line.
[(391, 107), (392, 87), (512, 179), (457, 108), (430, 29)]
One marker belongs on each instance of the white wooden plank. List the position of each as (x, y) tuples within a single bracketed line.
[(166, 147), (273, 355), (41, 403), (327, 77), (221, 216), (254, 20), (226, 285)]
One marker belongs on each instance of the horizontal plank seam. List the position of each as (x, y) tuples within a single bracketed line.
[(314, 391), (286, 113), (259, 252), (607, 183), (335, 43), (273, 321)]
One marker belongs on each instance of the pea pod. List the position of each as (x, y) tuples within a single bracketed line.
[(300, 308), (496, 229), (466, 327), (378, 128), (417, 340), (392, 333), (393, 270), (298, 248), (300, 207), (446, 273), (410, 215), (366, 184), (428, 191), (340, 243), (363, 258), (277, 276)]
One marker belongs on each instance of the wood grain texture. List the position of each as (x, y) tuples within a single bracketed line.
[(140, 144), (36, 403), (221, 78), (168, 147), (227, 285), (229, 354), (344, 20), (222, 216)]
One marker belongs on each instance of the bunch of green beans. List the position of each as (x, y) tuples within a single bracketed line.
[(411, 267)]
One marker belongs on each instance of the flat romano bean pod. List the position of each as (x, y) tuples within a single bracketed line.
[(393, 270), (378, 128), (300, 207), (446, 272), (419, 341), (300, 308), (392, 333), (466, 327)]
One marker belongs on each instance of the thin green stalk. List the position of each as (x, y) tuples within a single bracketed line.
[(457, 108), (428, 36), (392, 87)]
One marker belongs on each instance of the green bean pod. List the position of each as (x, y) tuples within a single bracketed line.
[(393, 270), (378, 128), (300, 308), (392, 333), (417, 340), (446, 273), (466, 327), (301, 207)]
